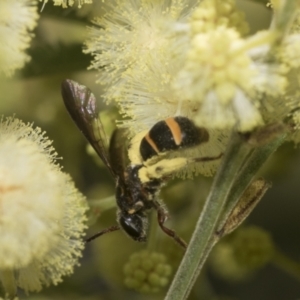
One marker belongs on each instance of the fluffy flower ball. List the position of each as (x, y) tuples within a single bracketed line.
[(17, 21), (42, 217)]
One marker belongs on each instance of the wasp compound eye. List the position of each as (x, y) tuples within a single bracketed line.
[(134, 226)]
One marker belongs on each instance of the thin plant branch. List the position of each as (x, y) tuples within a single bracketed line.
[(238, 168)]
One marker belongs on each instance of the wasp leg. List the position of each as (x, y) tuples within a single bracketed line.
[(107, 230), (207, 158), (162, 216)]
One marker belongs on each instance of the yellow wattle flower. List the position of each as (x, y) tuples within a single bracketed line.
[(17, 20), (42, 219)]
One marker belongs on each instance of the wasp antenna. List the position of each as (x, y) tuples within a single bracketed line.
[(107, 230)]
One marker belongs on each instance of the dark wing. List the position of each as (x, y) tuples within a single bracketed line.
[(81, 105), (117, 152)]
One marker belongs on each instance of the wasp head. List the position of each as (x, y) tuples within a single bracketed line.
[(134, 225)]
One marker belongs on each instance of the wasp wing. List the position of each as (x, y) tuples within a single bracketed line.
[(81, 105), (117, 152)]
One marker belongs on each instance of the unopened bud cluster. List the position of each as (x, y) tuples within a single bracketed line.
[(147, 272)]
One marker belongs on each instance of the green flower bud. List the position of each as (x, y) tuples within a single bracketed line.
[(147, 272), (253, 247), (236, 257)]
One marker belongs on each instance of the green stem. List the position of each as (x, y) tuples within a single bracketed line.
[(238, 168), (198, 248)]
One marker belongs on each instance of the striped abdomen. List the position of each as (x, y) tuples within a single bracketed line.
[(172, 134)]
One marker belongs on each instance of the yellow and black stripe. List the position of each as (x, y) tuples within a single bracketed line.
[(172, 134)]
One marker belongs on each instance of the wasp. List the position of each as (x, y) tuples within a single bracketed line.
[(138, 182)]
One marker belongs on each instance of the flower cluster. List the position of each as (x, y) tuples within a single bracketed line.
[(223, 13), (222, 90), (136, 47), (147, 272), (42, 213), (190, 58), (183, 56), (17, 21), (160, 59)]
